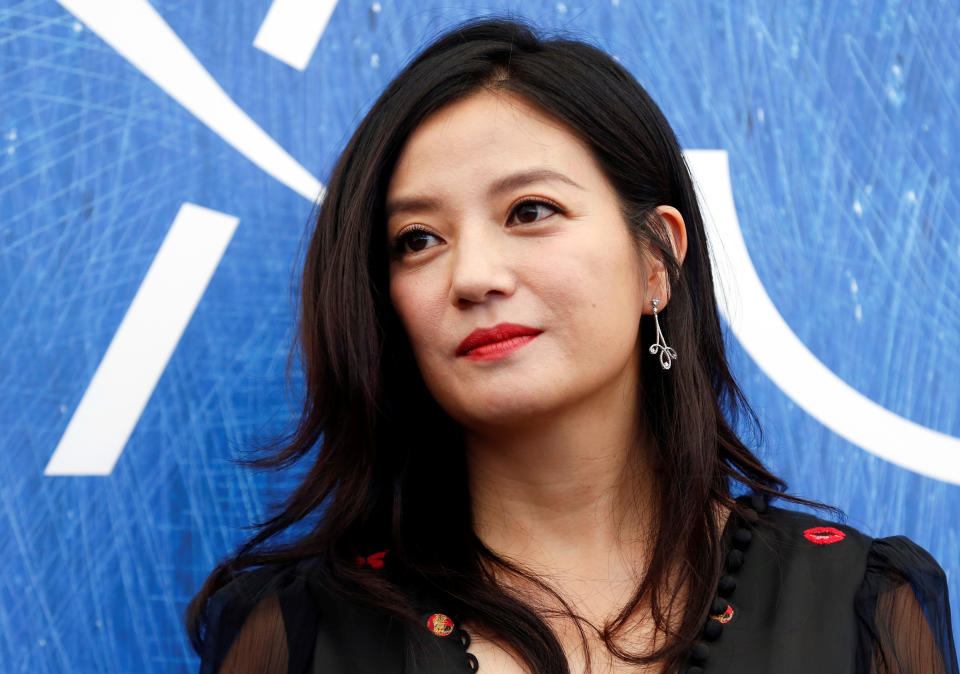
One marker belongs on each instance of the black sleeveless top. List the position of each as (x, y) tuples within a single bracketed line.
[(798, 594)]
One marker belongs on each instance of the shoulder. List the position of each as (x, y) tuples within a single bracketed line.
[(795, 554), (898, 556), (800, 555), (296, 619), (270, 609), (250, 587), (794, 526), (789, 533), (796, 541)]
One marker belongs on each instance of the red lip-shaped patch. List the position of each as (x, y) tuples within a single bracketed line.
[(374, 561), (824, 535), (725, 617)]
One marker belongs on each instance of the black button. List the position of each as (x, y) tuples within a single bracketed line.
[(734, 560), (718, 606), (758, 502), (700, 652), (742, 538), (726, 586), (712, 630)]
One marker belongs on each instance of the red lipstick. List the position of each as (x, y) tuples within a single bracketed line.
[(496, 342)]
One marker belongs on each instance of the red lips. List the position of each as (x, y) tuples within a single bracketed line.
[(497, 333)]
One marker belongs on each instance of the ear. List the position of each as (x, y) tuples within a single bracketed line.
[(657, 283)]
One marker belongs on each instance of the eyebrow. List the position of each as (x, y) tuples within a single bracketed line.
[(504, 184)]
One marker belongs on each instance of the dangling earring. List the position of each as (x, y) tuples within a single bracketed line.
[(667, 354)]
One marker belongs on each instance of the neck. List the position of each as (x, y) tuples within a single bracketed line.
[(561, 495)]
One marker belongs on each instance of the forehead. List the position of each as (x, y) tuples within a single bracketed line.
[(470, 142)]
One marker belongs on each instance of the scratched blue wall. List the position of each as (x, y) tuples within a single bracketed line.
[(840, 120)]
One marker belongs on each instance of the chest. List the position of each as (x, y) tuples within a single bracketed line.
[(495, 657)]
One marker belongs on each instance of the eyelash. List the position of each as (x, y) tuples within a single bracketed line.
[(401, 241)]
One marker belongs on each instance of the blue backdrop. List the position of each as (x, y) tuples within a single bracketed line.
[(127, 129)]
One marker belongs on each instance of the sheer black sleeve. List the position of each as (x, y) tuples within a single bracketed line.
[(262, 622), (903, 612)]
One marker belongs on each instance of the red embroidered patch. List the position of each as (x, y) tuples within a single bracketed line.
[(824, 535), (440, 625), (374, 561), (725, 617)]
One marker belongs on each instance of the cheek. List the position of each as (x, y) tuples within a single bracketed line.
[(593, 293), (419, 307)]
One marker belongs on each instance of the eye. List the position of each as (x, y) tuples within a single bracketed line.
[(416, 238), (530, 210), (412, 240)]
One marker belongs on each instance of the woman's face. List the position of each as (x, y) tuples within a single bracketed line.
[(504, 217)]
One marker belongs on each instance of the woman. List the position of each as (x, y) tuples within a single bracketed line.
[(513, 355)]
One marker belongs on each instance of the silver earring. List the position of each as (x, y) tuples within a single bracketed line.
[(667, 354)]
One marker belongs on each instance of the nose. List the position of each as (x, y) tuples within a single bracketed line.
[(480, 266)]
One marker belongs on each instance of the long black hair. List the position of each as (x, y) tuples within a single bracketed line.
[(385, 453)]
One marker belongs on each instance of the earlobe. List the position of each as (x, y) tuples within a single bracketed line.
[(658, 286)]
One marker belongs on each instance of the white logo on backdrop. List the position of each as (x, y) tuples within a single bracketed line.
[(135, 359)]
